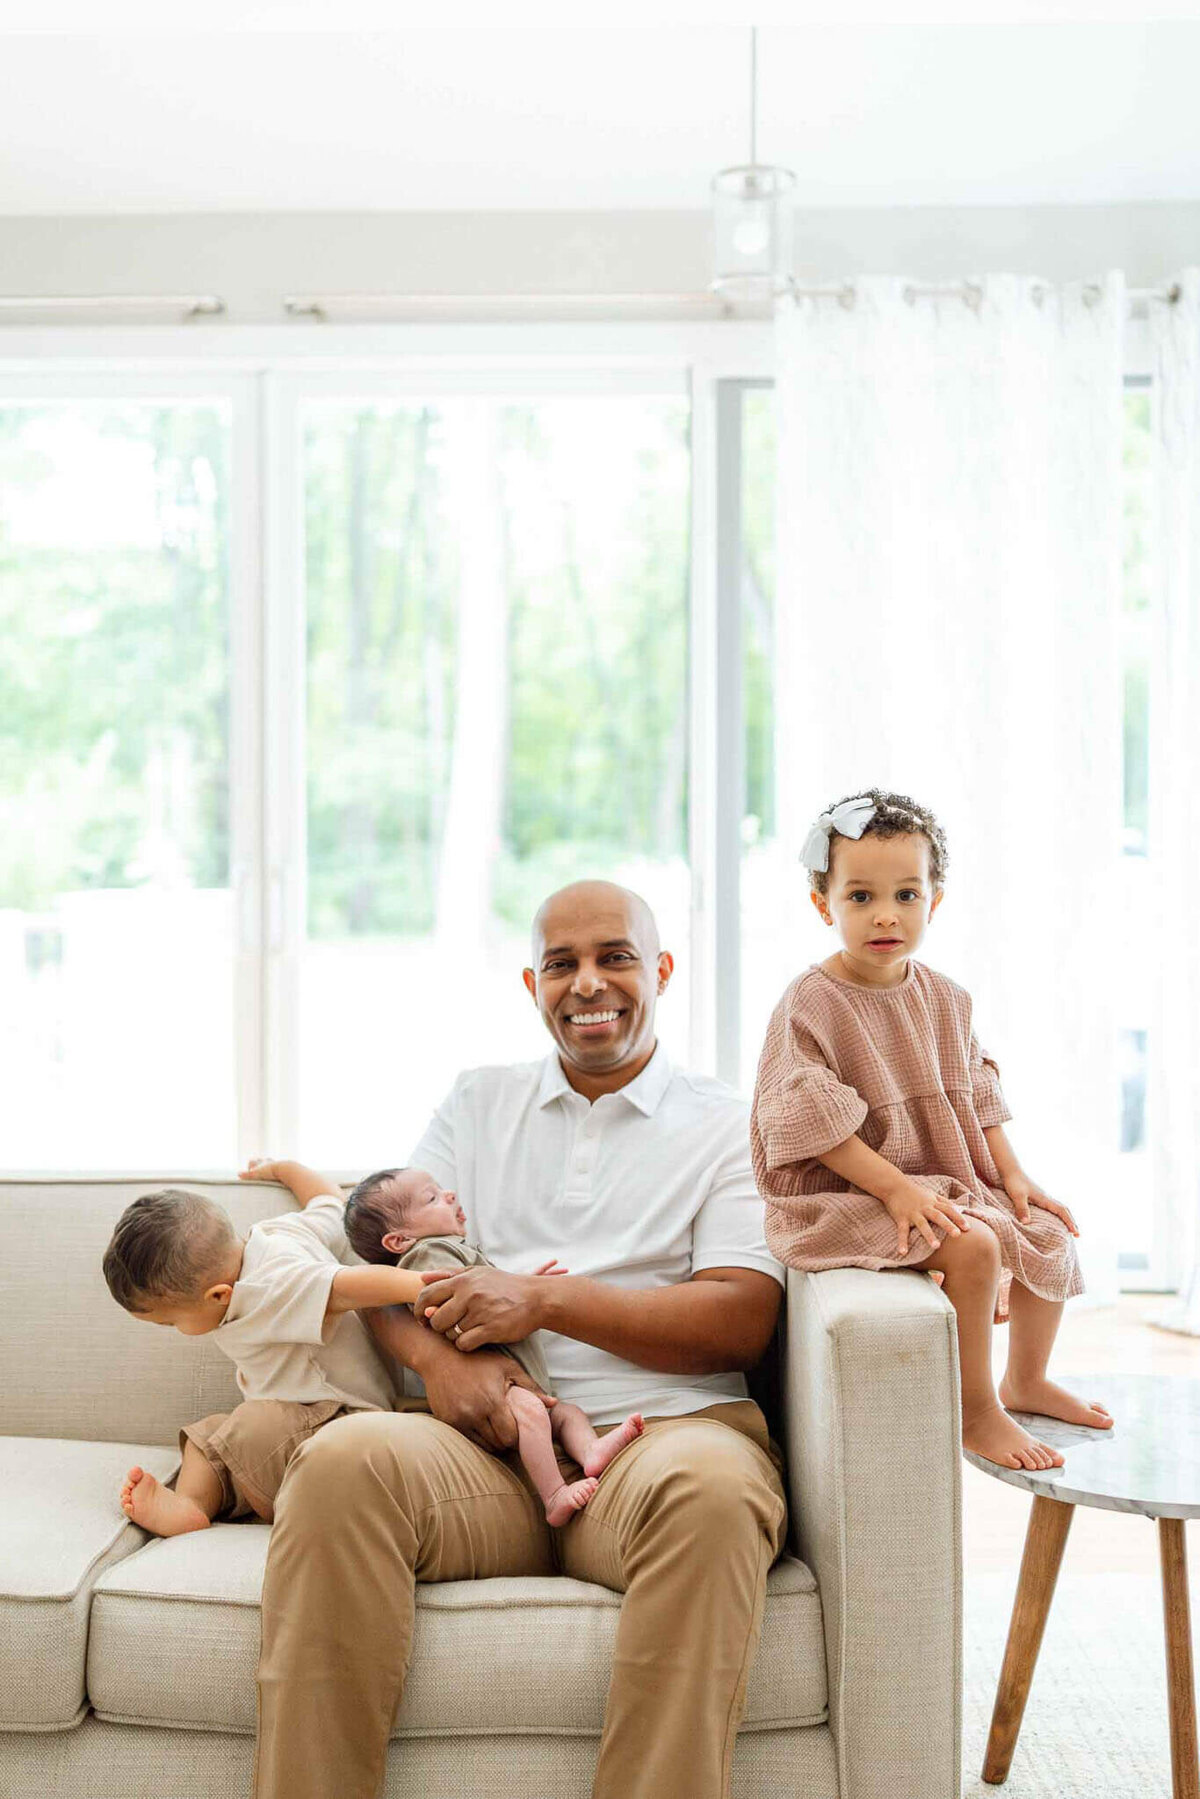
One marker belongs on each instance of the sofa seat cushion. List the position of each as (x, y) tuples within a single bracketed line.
[(61, 1526), (175, 1633)]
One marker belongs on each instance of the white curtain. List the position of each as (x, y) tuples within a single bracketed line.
[(1173, 1037), (949, 582)]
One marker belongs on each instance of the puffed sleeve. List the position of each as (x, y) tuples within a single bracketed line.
[(991, 1107), (801, 1108)]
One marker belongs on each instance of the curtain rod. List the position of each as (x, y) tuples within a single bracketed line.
[(971, 292), (193, 306), (320, 306)]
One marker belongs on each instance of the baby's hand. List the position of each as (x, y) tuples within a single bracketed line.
[(551, 1267), (1025, 1193)]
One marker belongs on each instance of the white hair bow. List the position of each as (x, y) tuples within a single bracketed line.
[(850, 819)]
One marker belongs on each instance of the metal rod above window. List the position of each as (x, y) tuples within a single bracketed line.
[(190, 306), (542, 306), (971, 292)]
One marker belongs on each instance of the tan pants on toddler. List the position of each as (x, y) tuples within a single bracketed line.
[(249, 1448), (686, 1522)]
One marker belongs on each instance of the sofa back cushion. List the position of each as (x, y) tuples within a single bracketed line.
[(74, 1363)]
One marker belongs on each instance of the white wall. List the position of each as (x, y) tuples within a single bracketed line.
[(252, 260)]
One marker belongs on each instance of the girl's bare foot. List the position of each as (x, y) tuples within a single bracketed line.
[(159, 1509), (998, 1438), (1050, 1401), (570, 1498), (613, 1442)]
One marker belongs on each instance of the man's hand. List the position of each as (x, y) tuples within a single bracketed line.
[(472, 1396), (482, 1305), (1025, 1193)]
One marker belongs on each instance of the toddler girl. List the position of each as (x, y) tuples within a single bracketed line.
[(877, 1129)]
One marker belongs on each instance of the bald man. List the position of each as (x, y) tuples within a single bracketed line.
[(638, 1175)]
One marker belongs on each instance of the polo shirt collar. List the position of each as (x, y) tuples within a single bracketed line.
[(646, 1092), (553, 1083)]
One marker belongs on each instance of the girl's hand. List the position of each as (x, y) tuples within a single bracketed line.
[(552, 1267), (915, 1208), (1025, 1193)]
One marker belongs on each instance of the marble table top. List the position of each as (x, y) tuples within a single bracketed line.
[(1149, 1462)]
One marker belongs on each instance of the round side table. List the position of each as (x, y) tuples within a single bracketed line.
[(1149, 1463)]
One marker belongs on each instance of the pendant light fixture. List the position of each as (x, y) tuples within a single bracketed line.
[(752, 218)]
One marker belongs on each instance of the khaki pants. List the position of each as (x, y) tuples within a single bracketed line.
[(686, 1523), (249, 1448)]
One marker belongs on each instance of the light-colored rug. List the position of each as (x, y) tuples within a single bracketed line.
[(1096, 1722)]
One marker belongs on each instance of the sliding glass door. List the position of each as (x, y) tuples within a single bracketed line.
[(495, 703), (117, 929)]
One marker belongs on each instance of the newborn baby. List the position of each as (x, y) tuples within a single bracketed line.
[(402, 1217)]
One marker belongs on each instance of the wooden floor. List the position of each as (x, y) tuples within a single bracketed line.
[(1103, 1340)]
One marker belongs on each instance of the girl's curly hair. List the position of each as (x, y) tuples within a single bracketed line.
[(895, 816)]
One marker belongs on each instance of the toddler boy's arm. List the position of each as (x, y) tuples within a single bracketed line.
[(357, 1289), (305, 1183)]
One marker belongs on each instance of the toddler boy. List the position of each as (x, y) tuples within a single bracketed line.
[(282, 1306)]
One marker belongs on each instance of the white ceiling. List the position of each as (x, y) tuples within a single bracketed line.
[(867, 115)]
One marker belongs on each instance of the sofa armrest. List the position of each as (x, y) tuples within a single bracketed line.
[(871, 1396)]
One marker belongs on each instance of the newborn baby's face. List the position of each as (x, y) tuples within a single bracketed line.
[(429, 1211)]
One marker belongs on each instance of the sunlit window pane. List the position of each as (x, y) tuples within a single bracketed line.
[(497, 657), (116, 1030), (1136, 968), (768, 888)]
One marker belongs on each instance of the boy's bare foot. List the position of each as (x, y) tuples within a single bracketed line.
[(613, 1442), (570, 1498), (1050, 1401), (159, 1509), (998, 1438)]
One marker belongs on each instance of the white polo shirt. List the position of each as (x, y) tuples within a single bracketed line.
[(642, 1189)]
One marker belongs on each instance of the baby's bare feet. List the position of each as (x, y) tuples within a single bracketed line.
[(998, 1438), (613, 1442), (157, 1508), (1051, 1401), (570, 1498)]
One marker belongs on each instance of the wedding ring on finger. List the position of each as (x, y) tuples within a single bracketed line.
[(456, 1330)]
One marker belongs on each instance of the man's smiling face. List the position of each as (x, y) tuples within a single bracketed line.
[(596, 976)]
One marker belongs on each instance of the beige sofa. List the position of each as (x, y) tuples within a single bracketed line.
[(127, 1663)]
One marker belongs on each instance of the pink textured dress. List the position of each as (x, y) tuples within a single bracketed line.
[(901, 1067)]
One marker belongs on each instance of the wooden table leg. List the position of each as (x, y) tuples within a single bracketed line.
[(1181, 1693), (1045, 1540)]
